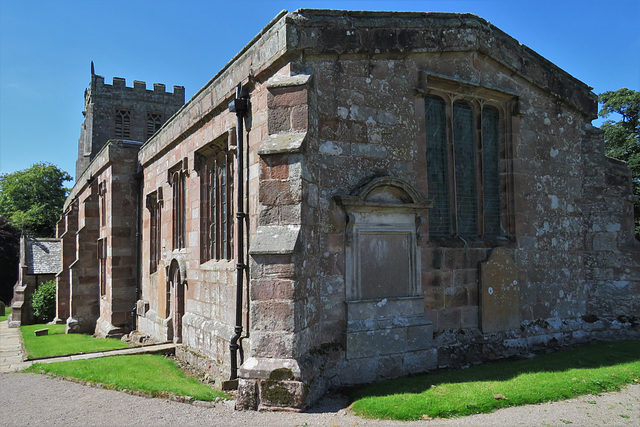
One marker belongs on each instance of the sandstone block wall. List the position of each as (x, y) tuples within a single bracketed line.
[(110, 181)]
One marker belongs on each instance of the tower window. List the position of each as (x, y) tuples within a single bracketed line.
[(123, 124), (154, 122)]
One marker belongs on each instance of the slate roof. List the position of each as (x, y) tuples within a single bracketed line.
[(43, 256)]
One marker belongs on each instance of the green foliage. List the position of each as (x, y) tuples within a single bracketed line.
[(622, 137), (44, 301), (32, 198), (587, 370), (9, 259), (148, 373), (57, 343)]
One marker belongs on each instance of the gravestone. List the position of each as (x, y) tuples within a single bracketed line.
[(499, 293), (2, 309)]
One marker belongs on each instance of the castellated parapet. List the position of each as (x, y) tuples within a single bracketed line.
[(139, 90), (121, 112)]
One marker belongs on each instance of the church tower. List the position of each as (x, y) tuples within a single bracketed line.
[(120, 112)]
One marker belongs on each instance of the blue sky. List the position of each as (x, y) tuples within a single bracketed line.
[(46, 48)]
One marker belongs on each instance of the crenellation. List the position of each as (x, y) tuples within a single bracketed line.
[(99, 87), (119, 83), (117, 111)]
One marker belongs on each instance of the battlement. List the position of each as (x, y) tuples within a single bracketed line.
[(122, 112), (98, 86)]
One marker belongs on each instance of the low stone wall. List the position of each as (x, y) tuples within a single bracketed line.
[(205, 335), (216, 372), (466, 347), (156, 327), (326, 368)]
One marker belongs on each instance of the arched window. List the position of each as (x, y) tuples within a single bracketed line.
[(463, 140), (178, 181), (216, 207), (123, 124)]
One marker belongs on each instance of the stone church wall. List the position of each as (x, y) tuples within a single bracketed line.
[(347, 280)]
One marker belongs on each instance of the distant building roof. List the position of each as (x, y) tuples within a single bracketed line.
[(43, 256)]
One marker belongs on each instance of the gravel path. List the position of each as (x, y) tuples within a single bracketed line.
[(37, 400)]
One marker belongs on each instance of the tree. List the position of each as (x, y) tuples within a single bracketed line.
[(32, 198), (622, 137), (44, 301), (9, 258)]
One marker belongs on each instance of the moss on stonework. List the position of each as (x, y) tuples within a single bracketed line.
[(277, 394), (275, 391), (281, 374)]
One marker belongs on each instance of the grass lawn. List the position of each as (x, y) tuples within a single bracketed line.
[(147, 373), (7, 312), (592, 369), (58, 343)]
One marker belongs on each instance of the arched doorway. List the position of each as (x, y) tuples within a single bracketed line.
[(177, 284)]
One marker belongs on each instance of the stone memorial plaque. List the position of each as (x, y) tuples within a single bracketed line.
[(499, 293), (385, 265)]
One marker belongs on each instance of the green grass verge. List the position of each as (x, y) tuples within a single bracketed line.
[(58, 343), (7, 312), (147, 373), (592, 369)]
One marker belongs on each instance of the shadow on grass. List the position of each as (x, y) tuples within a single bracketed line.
[(588, 357)]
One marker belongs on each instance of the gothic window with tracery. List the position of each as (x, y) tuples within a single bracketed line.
[(123, 124), (154, 122), (178, 181), (216, 208), (154, 205), (463, 166)]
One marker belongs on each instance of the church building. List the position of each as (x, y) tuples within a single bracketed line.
[(355, 196)]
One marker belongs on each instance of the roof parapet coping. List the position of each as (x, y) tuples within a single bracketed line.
[(288, 81), (291, 27), (488, 40)]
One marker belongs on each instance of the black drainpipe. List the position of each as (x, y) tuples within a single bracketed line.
[(239, 105)]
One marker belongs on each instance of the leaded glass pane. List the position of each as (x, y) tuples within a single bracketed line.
[(437, 166), (222, 170), (464, 144), (491, 170)]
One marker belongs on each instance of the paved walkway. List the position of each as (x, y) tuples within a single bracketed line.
[(12, 354)]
